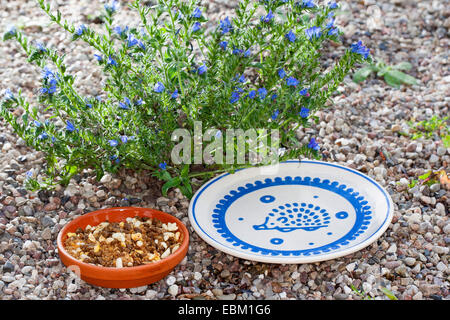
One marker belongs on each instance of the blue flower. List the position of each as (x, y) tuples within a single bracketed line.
[(241, 78), (333, 31), (262, 93), (313, 32), (252, 94), (43, 136), (304, 92), (89, 105), (360, 49), (237, 51), (234, 97), (275, 114), (37, 124), (29, 174), (313, 145), (98, 57), (281, 73), (12, 31), (141, 45), (159, 87), (332, 5), (138, 102), (70, 127), (125, 105), (112, 7), (225, 25), (202, 69), (291, 36), (175, 94), (115, 158), (124, 139), (291, 81), (247, 53), (120, 31), (274, 96), (308, 4), (132, 41), (197, 13), (113, 143), (111, 61), (80, 30), (304, 112), (8, 94), (162, 165), (223, 45), (41, 47), (268, 17), (196, 27), (47, 73)]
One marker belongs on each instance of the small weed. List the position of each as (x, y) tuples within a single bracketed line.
[(433, 126), (392, 74)]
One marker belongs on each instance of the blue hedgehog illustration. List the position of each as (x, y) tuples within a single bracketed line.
[(293, 216)]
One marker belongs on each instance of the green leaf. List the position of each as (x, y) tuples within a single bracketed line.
[(403, 66), (425, 175), (388, 293), (362, 74), (185, 171), (400, 77), (175, 182), (446, 141)]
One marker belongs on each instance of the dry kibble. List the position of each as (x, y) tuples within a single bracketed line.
[(133, 242)]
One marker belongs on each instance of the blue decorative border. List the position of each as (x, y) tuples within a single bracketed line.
[(386, 196), (363, 213)]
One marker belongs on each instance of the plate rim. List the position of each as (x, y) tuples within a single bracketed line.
[(298, 259)]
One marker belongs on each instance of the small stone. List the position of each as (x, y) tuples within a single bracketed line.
[(217, 292), (197, 276), (8, 267), (350, 267), (46, 221), (441, 151), (162, 201), (106, 178), (411, 147), (409, 261), (150, 294), (72, 287), (8, 279), (418, 296), (171, 280), (173, 290), (441, 250), (440, 208), (435, 187), (392, 248), (46, 234), (225, 273), (26, 269), (433, 158)]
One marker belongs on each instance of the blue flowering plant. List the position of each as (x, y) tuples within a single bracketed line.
[(249, 70)]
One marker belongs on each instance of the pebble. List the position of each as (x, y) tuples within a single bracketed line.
[(8, 267), (171, 280), (173, 290)]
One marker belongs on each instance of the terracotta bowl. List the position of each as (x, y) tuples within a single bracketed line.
[(127, 277)]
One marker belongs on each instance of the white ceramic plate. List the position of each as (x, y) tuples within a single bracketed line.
[(296, 212)]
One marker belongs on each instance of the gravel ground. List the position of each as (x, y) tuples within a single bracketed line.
[(410, 259)]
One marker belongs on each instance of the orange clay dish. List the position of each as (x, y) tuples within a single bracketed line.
[(133, 242), (123, 247)]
